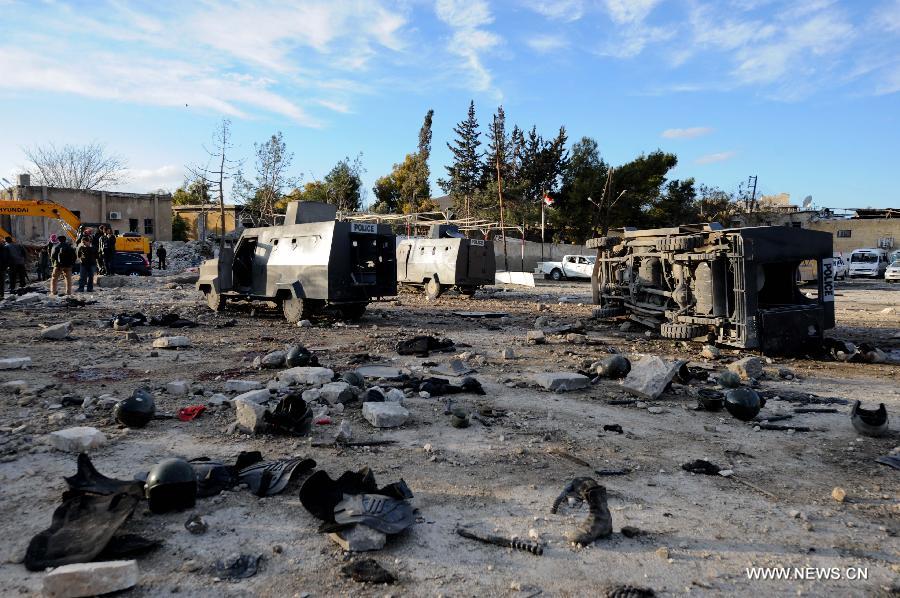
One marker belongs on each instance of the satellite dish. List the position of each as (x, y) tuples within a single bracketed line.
[(807, 201)]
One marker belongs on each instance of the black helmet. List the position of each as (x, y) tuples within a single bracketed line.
[(869, 422), (743, 403), (171, 486), (710, 400), (136, 410), (614, 366), (298, 355), (353, 379)]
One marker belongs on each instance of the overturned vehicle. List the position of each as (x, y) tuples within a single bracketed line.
[(306, 265), (445, 259), (737, 287)]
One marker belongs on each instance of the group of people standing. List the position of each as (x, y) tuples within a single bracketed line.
[(12, 260)]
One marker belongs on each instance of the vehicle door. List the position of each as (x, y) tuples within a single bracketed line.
[(402, 260), (570, 265), (478, 261)]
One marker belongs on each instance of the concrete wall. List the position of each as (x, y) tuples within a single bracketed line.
[(551, 251), (93, 206), (196, 215), (864, 232)]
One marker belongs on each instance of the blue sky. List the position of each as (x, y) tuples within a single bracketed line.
[(803, 93)]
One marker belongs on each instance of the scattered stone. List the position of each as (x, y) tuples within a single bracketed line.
[(396, 395), (336, 392), (454, 367), (258, 396), (839, 494), (380, 371), (729, 379), (710, 352), (650, 376), (385, 415), (90, 579), (304, 324), (576, 338), (541, 322), (535, 337), (29, 298), (786, 374), (217, 399), (57, 332), (359, 538), (15, 386), (77, 440), (178, 388), (509, 354), (794, 514), (663, 553), (655, 410), (250, 416), (748, 367), (14, 363), (561, 381), (274, 360), (171, 342), (306, 375), (196, 525), (626, 326), (242, 385), (367, 571)]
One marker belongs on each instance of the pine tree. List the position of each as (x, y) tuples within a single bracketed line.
[(465, 171)]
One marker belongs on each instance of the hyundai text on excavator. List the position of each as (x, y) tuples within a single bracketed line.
[(70, 222)]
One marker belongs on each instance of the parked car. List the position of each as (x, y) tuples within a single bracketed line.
[(892, 274), (130, 264), (841, 268), (571, 266), (871, 262)]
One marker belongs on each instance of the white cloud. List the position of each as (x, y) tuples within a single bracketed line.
[(716, 157), (545, 44), (630, 11), (688, 133), (560, 10), (470, 40), (888, 16), (145, 180)]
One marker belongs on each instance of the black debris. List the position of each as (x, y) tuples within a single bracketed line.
[(422, 346), (237, 567), (367, 571), (701, 466), (613, 428)]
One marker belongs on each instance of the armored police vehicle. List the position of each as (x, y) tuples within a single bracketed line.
[(306, 265), (736, 286), (445, 259)]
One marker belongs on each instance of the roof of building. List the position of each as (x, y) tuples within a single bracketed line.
[(878, 213)]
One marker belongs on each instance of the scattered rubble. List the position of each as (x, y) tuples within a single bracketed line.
[(90, 579), (650, 376), (77, 440)]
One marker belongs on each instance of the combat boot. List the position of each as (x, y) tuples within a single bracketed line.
[(599, 520)]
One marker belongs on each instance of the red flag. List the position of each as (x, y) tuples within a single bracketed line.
[(548, 200)]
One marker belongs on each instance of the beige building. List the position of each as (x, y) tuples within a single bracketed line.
[(857, 233), (149, 214), (207, 220)]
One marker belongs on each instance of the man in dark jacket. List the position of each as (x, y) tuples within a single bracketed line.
[(87, 255), (107, 250), (161, 255), (17, 257), (4, 265), (63, 258)]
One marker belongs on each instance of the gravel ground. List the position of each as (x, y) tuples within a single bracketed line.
[(700, 532)]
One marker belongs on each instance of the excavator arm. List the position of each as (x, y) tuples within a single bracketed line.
[(42, 209)]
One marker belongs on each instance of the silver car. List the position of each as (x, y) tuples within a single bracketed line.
[(892, 274)]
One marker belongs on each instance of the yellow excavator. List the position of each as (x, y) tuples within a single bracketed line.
[(69, 221)]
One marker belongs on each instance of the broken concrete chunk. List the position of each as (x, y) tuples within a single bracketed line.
[(90, 579), (508, 354), (385, 415), (242, 385), (710, 352), (171, 342), (14, 363), (305, 375), (394, 395), (77, 440), (535, 337), (250, 416), (15, 386), (57, 332), (260, 395), (29, 298), (379, 371), (217, 399), (561, 381), (336, 392), (273, 360), (650, 376), (576, 339), (359, 538), (454, 367), (178, 388), (748, 367)]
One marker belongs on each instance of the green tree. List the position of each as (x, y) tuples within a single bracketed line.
[(192, 193), (263, 198), (678, 205), (179, 228), (574, 213), (633, 188), (343, 184), (464, 174)]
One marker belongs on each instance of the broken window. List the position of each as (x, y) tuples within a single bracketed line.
[(132, 225), (148, 226)]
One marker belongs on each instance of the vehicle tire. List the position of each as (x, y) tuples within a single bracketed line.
[(602, 242), (556, 274), (681, 332), (433, 288), (683, 243), (352, 311), (214, 299), (295, 309), (610, 311)]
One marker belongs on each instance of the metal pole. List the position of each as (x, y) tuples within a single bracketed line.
[(543, 219)]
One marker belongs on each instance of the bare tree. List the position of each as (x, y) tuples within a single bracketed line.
[(217, 170), (76, 166), (263, 198)]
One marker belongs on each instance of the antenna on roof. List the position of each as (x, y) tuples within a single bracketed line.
[(807, 201)]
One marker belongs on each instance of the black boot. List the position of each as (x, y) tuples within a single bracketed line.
[(599, 520)]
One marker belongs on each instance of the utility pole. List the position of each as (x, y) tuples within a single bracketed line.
[(751, 184), (500, 196)]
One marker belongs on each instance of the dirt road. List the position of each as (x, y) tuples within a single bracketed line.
[(700, 533)]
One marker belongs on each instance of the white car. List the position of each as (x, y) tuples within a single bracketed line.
[(841, 268), (892, 274), (571, 266)]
